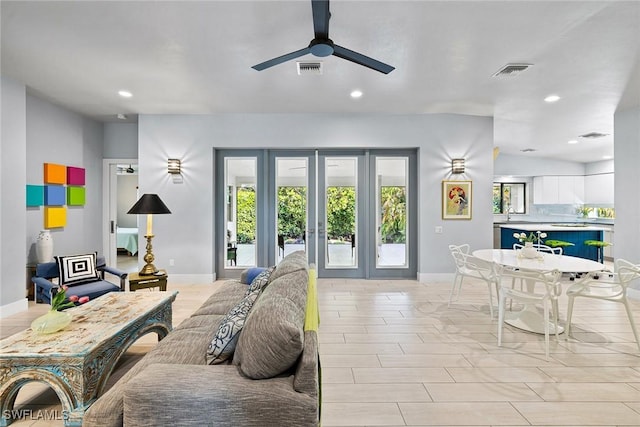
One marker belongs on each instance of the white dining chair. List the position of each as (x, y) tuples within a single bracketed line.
[(540, 248), (546, 295), (470, 266), (607, 287)]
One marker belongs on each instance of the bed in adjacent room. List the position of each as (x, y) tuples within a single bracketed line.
[(127, 239)]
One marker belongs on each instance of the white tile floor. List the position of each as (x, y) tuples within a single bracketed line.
[(394, 354)]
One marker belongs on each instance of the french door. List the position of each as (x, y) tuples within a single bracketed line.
[(351, 211)]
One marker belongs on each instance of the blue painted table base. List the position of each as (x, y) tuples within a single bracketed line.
[(77, 361)]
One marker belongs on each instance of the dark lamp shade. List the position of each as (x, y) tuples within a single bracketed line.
[(149, 204)]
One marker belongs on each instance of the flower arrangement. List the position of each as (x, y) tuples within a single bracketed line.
[(58, 302), (523, 237)]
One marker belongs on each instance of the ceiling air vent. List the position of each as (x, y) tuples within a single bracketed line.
[(309, 68), (593, 135), (511, 70)]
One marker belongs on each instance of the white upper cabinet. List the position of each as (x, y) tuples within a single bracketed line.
[(599, 189), (564, 190)]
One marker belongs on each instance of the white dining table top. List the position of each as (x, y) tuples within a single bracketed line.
[(544, 262)]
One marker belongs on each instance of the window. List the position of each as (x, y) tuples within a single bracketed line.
[(509, 197)]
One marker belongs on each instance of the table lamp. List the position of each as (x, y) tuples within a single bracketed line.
[(149, 204)]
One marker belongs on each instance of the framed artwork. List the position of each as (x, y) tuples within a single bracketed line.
[(456, 199)]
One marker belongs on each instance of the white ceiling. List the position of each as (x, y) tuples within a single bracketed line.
[(188, 57)]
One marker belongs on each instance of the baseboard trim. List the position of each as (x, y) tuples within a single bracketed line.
[(435, 277), (14, 308), (190, 279)]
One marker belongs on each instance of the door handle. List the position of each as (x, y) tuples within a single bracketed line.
[(113, 227)]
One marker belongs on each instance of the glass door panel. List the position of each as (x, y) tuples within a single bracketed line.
[(292, 205), (240, 212), (341, 212), (391, 211)]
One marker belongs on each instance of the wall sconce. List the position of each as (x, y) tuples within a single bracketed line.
[(457, 165), (173, 166)]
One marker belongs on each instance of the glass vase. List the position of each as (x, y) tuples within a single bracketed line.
[(52, 321)]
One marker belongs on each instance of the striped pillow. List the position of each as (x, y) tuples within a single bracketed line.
[(77, 269)]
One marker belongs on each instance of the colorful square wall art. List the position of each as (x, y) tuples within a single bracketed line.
[(35, 195), (55, 217), (75, 176), (54, 195), (75, 196), (55, 174)]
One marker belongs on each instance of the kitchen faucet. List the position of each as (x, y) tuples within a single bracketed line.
[(510, 210)]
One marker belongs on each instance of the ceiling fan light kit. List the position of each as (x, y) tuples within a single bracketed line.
[(322, 46)]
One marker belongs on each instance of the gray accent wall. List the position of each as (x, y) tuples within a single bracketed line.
[(187, 235), (57, 135), (13, 222), (627, 179), (120, 140)]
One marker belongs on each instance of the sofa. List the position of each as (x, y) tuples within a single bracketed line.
[(271, 379), (84, 274)]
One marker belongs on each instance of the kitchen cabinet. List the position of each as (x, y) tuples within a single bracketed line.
[(564, 190), (599, 189)]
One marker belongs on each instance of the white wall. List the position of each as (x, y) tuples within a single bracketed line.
[(57, 135), (187, 234), (13, 197), (127, 197), (627, 178), (526, 165)]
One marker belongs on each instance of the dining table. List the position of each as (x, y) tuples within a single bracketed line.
[(530, 318)]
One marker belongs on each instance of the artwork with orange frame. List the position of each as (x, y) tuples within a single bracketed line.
[(456, 199)]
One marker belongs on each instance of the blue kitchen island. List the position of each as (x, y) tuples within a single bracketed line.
[(573, 233)]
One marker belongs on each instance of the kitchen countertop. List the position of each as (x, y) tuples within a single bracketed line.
[(553, 227)]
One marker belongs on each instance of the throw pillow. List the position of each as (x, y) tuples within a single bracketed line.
[(272, 338), (249, 274), (261, 280), (76, 269), (224, 341)]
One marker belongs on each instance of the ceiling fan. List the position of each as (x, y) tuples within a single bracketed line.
[(322, 45)]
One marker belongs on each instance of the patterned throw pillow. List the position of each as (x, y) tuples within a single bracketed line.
[(77, 269), (224, 341), (261, 280)]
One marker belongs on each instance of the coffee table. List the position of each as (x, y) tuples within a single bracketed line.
[(77, 361)]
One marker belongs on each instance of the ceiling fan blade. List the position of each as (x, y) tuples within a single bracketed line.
[(280, 59), (321, 15), (358, 58)]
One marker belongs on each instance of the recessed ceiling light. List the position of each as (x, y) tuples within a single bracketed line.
[(572, 141), (122, 116), (356, 94), (607, 157), (125, 93), (552, 98)]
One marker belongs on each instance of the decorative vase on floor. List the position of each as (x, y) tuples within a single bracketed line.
[(529, 251), (44, 246), (52, 321)]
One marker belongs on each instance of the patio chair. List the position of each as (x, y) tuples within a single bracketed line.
[(612, 288)]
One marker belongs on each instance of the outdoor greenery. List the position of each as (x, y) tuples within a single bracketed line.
[(341, 212), (394, 215), (246, 215), (341, 202), (292, 212)]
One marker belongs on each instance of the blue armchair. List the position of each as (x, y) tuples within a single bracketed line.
[(44, 289)]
